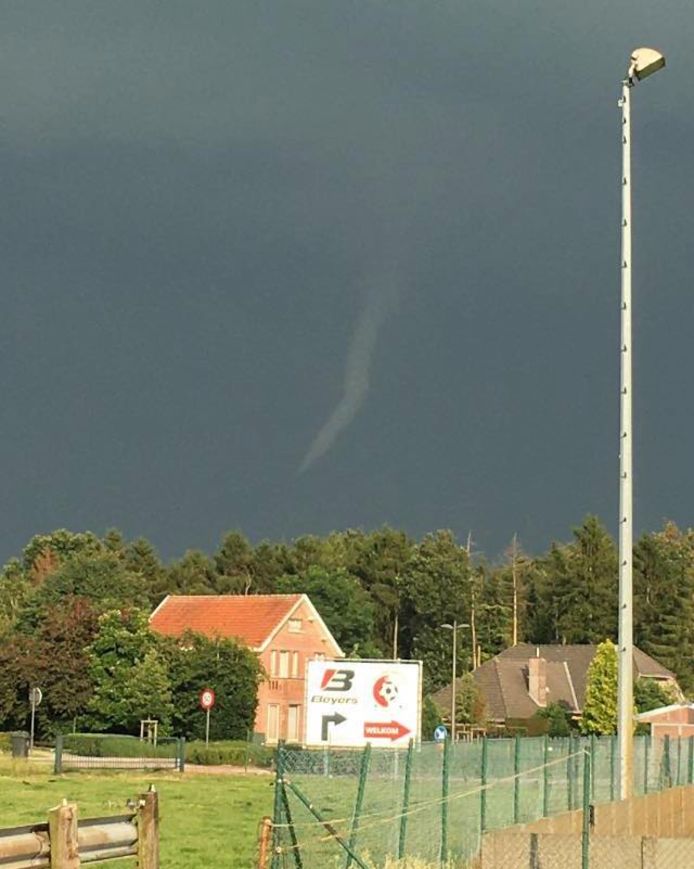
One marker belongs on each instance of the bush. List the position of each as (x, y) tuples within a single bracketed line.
[(231, 753), (5, 744), (113, 745)]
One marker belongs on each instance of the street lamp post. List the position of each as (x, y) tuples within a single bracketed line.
[(643, 62), (454, 627)]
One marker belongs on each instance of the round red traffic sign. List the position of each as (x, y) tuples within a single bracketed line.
[(207, 698)]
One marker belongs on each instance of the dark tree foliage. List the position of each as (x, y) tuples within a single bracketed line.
[(343, 604), (664, 600), (382, 594), (574, 590), (101, 578)]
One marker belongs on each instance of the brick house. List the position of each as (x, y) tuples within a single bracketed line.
[(284, 630), (675, 721), (523, 679)]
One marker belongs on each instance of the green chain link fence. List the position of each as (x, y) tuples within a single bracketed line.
[(428, 806)]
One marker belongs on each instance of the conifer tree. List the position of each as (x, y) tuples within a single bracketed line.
[(600, 703)]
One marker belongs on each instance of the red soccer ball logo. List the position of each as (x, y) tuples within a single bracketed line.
[(385, 691)]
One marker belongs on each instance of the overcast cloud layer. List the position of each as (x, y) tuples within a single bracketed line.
[(201, 200)]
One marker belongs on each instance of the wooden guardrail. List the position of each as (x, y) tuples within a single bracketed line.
[(65, 842)]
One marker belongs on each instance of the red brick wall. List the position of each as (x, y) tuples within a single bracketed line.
[(285, 691)]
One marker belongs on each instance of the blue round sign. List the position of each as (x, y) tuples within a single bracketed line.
[(440, 733)]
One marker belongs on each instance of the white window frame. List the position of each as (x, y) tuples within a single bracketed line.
[(293, 711), (283, 672)]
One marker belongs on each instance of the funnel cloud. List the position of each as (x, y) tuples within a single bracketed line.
[(379, 302)]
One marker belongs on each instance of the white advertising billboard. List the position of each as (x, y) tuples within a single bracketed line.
[(350, 703)]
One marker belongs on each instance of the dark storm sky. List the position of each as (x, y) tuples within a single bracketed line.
[(220, 218)]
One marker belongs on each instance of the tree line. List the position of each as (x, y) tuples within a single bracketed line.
[(382, 594)]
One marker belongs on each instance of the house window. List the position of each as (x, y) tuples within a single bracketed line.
[(273, 663), (319, 656), (284, 665), (273, 722), (293, 716), (294, 626), (295, 665)]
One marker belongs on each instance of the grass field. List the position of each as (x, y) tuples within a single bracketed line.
[(206, 820)]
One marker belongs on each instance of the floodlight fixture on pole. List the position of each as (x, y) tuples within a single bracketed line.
[(642, 63)]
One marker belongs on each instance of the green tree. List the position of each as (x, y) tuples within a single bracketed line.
[(651, 694), (576, 587), (600, 704), (193, 574), (664, 600), (101, 578), (129, 674), (343, 605), (142, 559), (469, 702), (14, 593), (380, 561), (231, 670), (558, 719), (234, 565), (431, 718), (436, 590)]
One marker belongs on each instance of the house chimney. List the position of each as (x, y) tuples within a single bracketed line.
[(537, 680)]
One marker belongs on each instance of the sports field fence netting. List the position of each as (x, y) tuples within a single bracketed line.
[(432, 803)]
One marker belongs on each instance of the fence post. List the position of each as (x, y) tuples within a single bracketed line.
[(277, 806), (667, 769), (359, 801), (545, 777), (690, 761), (445, 771), (264, 842), (405, 801), (62, 829), (516, 778), (58, 756), (182, 754), (148, 830), (613, 753), (593, 742), (679, 760), (646, 761), (585, 832), (570, 775), (483, 786)]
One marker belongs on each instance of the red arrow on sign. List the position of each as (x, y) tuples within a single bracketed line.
[(385, 730)]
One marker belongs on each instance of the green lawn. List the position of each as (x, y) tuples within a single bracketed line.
[(205, 820)]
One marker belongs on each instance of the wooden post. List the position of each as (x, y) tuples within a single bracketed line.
[(148, 830), (62, 829), (264, 843)]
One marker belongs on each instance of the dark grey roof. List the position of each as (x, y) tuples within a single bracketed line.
[(503, 680)]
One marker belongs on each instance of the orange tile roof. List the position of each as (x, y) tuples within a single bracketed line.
[(248, 618)]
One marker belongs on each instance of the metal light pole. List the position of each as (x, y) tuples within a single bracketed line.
[(643, 62), (454, 627)]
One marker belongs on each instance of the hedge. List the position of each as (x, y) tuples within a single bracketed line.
[(114, 745), (231, 753)]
